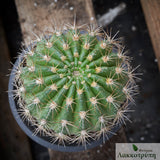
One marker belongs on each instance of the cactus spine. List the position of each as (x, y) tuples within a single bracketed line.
[(74, 85)]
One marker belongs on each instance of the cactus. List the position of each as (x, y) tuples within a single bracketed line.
[(74, 85)]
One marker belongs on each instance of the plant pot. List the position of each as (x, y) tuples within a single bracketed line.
[(44, 140)]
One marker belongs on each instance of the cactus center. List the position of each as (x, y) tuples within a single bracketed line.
[(76, 73)]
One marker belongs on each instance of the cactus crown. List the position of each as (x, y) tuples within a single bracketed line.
[(74, 85)]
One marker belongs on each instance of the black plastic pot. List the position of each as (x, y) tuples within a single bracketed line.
[(43, 140)]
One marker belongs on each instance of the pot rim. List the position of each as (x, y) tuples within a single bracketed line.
[(39, 139)]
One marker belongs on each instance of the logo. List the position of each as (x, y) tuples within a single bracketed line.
[(135, 148), (137, 151)]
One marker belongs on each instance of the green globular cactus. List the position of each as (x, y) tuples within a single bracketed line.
[(74, 85)]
